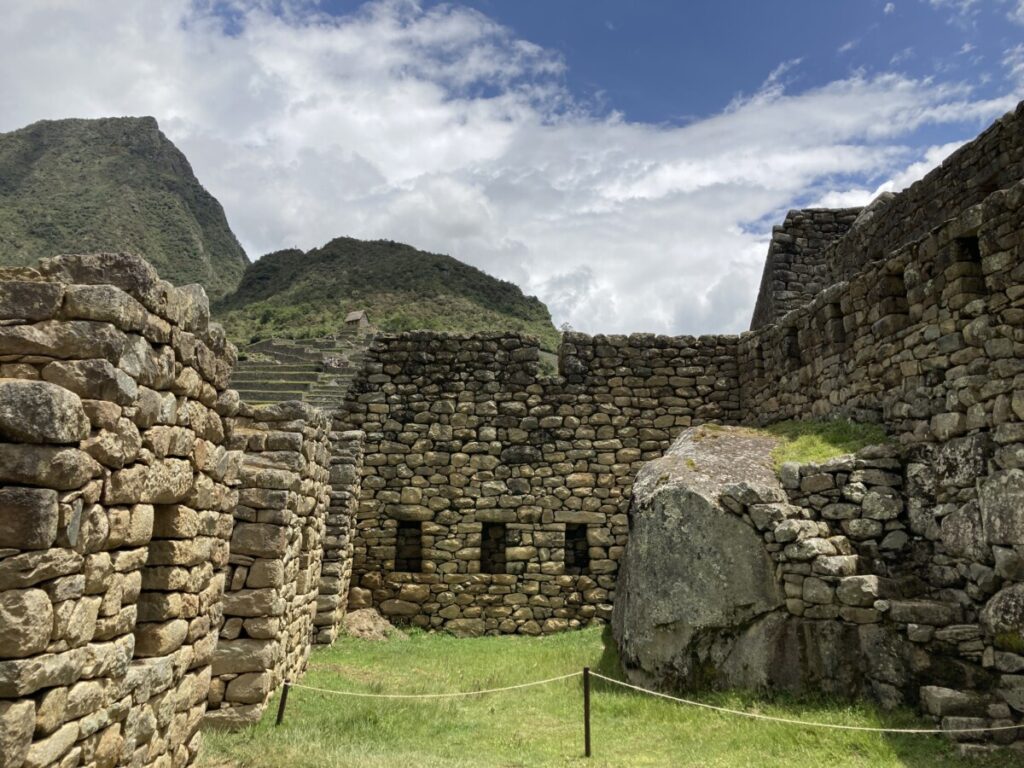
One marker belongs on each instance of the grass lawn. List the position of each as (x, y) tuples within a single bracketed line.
[(818, 441), (542, 726)]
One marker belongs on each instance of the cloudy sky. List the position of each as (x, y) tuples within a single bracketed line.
[(623, 160)]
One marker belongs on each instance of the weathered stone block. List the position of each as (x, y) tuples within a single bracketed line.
[(28, 517), (160, 638), (52, 338), (31, 568), (249, 688), (166, 481), (40, 412), (27, 300), (27, 618), (93, 380), (259, 540), (17, 722), (238, 656), (1001, 498)]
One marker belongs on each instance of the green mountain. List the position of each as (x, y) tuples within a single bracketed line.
[(115, 184), (292, 294)]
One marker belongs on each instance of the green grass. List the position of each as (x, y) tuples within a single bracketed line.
[(542, 726), (815, 442)]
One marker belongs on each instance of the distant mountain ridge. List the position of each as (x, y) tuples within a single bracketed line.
[(293, 294), (112, 184), (119, 184)]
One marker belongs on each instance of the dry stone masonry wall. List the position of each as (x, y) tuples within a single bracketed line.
[(991, 162), (925, 337), (795, 270), (169, 554), (494, 499), (345, 467), (115, 512), (277, 545)]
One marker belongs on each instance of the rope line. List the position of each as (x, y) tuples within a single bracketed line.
[(808, 723), (457, 694), (658, 694)]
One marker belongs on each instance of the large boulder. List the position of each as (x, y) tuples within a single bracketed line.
[(698, 604)]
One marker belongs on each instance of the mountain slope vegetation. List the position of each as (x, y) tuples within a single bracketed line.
[(113, 184), (292, 294)]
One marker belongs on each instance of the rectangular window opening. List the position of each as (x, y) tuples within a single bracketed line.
[(409, 547), (577, 550), (969, 249), (791, 349), (493, 541)]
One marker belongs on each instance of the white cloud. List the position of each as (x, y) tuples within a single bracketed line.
[(1016, 12), (442, 129), (901, 56), (890, 8), (848, 46), (1013, 61)]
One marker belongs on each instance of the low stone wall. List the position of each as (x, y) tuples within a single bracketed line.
[(277, 547), (115, 512), (346, 466), (823, 582), (494, 499), (846, 550)]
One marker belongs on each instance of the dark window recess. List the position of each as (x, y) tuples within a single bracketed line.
[(577, 551), (493, 541), (408, 547), (835, 328), (791, 349), (969, 249)]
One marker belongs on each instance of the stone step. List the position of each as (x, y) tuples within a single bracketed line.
[(256, 377), (246, 365), (253, 396), (275, 386)]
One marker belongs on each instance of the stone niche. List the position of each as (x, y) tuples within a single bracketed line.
[(116, 502)]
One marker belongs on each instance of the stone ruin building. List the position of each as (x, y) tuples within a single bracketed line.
[(170, 551)]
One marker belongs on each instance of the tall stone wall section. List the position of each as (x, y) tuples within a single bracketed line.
[(930, 342), (809, 252), (992, 161), (346, 467), (116, 504), (796, 270), (465, 442), (273, 581)]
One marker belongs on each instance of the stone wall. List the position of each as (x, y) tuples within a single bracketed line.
[(346, 466), (502, 494), (892, 542), (116, 507), (809, 251), (930, 342), (795, 270), (824, 582), (992, 161), (273, 581)]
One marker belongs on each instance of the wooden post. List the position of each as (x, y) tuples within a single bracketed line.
[(586, 711), (283, 703)]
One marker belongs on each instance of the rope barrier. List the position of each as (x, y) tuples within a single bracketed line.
[(807, 723), (435, 695)]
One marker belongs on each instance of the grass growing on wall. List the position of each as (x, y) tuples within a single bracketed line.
[(818, 441), (541, 726)]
